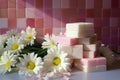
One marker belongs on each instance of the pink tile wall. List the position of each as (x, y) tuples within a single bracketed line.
[(54, 14)]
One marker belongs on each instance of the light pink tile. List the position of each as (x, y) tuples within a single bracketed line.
[(30, 3), (106, 4), (3, 22), (56, 3), (39, 13), (21, 23), (90, 4), (65, 3), (11, 12), (30, 12), (20, 3)]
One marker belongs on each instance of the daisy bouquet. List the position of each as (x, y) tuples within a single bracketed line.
[(33, 59)]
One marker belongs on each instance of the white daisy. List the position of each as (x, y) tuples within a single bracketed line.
[(7, 60), (12, 33), (3, 38), (14, 44), (56, 60), (1, 49), (30, 64), (49, 42), (29, 35)]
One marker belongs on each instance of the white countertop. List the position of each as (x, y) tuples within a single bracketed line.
[(107, 75)]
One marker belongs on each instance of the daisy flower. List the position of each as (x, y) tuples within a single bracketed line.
[(7, 60), (56, 60), (49, 42), (14, 44), (1, 49), (12, 33), (3, 38), (29, 35), (30, 64)]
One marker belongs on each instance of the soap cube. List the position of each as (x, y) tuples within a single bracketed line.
[(67, 49), (66, 40), (101, 61), (77, 51), (89, 54), (89, 47), (89, 69), (101, 68), (84, 40), (80, 30)]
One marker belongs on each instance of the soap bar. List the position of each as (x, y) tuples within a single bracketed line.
[(101, 68), (67, 49), (80, 30), (89, 47), (77, 51), (61, 39), (89, 54)]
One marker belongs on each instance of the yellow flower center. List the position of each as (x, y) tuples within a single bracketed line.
[(29, 36), (8, 63), (56, 61), (52, 44), (14, 46), (30, 65)]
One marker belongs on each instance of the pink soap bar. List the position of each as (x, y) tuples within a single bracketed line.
[(101, 61), (66, 40), (89, 47), (89, 54)]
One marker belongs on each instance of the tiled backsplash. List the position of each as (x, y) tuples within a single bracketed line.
[(54, 14)]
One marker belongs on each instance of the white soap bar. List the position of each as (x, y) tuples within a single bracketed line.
[(89, 54), (79, 30), (101, 68), (77, 51), (89, 69), (89, 47)]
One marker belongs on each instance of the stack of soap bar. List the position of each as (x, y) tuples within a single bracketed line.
[(91, 64), (75, 52), (61, 39), (79, 30)]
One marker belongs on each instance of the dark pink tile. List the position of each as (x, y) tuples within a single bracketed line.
[(81, 13), (11, 12), (81, 4), (106, 32), (30, 22), (106, 13), (115, 12), (47, 3), (97, 22), (97, 13), (39, 3), (20, 13), (115, 3), (106, 4), (73, 3), (12, 3), (114, 22), (98, 4), (105, 22), (38, 22), (20, 3), (3, 30), (12, 23), (3, 13), (47, 30), (4, 4), (114, 31), (30, 3), (90, 13)]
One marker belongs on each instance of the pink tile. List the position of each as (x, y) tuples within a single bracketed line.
[(30, 22), (115, 3), (47, 30), (73, 3), (20, 3), (98, 4), (56, 3), (39, 3), (90, 13), (81, 4), (105, 22), (12, 3), (3, 13), (106, 13), (90, 4), (21, 22), (48, 21), (12, 23), (3, 30), (90, 20), (30, 12), (38, 22), (11, 12), (39, 32), (105, 32), (114, 22), (20, 13), (81, 13), (65, 3), (4, 4), (39, 13), (106, 4), (30, 3), (3, 22), (115, 12), (47, 3)]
